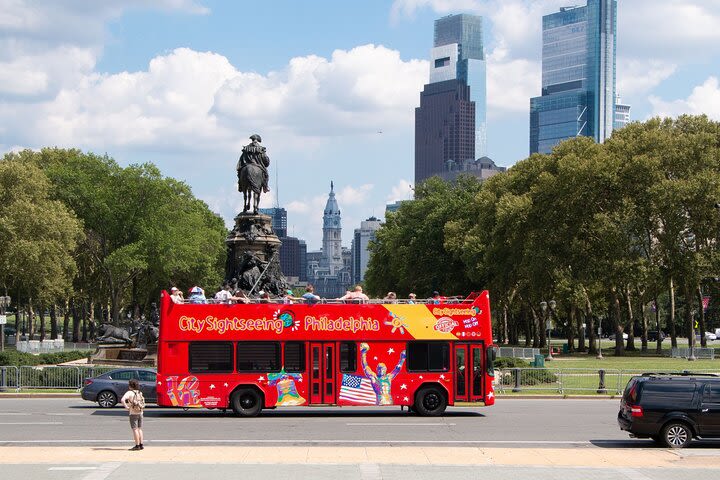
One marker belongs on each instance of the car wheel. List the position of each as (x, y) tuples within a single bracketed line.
[(246, 402), (676, 435), (430, 402), (106, 399)]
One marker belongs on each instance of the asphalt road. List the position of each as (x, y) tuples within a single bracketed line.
[(511, 422)]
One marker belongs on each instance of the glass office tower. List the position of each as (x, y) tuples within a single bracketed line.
[(578, 76), (450, 124)]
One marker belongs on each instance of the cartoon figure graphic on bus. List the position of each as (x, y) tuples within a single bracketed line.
[(380, 381), (286, 389)]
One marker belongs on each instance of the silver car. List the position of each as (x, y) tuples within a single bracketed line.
[(107, 389)]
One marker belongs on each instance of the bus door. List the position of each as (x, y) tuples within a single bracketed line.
[(468, 372), (322, 373)]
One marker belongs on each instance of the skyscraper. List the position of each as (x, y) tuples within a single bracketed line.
[(622, 114), (450, 124), (578, 76), (360, 253)]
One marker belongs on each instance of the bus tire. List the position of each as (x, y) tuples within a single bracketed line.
[(246, 402), (430, 402)]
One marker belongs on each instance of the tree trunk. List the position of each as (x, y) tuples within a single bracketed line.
[(689, 321), (581, 330), (53, 322), (91, 333), (644, 323), (30, 320), (617, 323), (630, 325), (76, 322), (590, 319), (658, 348), (701, 316), (671, 319), (85, 313), (528, 327), (504, 329), (66, 321), (571, 329), (42, 322)]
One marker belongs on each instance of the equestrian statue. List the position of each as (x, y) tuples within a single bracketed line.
[(252, 171)]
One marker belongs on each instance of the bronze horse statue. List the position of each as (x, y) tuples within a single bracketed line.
[(252, 173), (250, 183)]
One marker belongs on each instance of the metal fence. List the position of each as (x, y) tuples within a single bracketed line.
[(58, 377), (518, 352), (699, 353), (568, 380)]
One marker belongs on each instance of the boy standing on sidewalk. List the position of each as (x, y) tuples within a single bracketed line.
[(134, 401)]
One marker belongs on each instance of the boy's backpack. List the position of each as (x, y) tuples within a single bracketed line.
[(138, 401)]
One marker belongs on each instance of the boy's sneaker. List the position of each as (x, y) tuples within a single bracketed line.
[(142, 447), (136, 447)]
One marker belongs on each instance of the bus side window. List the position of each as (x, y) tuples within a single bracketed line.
[(348, 357), (294, 357)]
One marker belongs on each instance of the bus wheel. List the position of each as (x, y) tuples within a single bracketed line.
[(246, 402), (430, 401)]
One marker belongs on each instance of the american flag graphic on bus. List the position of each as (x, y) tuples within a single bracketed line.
[(357, 390)]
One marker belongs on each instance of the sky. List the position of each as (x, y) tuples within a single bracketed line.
[(330, 86)]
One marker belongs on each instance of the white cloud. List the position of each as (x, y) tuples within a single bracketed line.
[(636, 77), (403, 190), (350, 195), (704, 99)]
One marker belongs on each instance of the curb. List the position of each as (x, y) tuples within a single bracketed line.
[(39, 395)]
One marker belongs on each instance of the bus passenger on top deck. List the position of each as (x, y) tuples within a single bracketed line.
[(356, 296), (309, 295), (223, 295), (176, 295), (391, 297), (411, 298)]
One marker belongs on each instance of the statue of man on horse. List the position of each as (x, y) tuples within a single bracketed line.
[(252, 170)]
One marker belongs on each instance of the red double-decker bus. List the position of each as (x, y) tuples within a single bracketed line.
[(247, 357)]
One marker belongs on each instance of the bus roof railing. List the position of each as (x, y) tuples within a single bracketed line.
[(455, 300)]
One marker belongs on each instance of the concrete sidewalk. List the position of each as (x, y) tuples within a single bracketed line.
[(546, 457)]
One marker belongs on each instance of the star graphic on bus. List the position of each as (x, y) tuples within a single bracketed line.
[(225, 384), (212, 386), (442, 377), (397, 323), (403, 387), (261, 379), (490, 395), (406, 399), (159, 382), (391, 350)]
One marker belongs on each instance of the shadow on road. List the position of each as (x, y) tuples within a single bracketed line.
[(283, 413), (646, 443)]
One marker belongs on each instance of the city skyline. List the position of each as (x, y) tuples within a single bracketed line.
[(174, 83)]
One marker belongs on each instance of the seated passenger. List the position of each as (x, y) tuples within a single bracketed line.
[(309, 296), (356, 296), (176, 295), (391, 297), (197, 295), (224, 295)]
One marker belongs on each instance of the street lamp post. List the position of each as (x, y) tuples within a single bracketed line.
[(599, 355), (691, 357)]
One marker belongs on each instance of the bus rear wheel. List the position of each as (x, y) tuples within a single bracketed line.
[(246, 402), (430, 402)]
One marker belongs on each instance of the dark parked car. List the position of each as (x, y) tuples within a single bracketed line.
[(107, 389), (653, 336), (672, 409)]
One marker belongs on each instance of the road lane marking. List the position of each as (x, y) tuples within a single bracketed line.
[(30, 423), (72, 468), (401, 424), (102, 472), (12, 413), (65, 414), (370, 471)]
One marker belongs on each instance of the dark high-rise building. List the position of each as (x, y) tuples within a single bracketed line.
[(279, 219), (578, 76), (450, 124)]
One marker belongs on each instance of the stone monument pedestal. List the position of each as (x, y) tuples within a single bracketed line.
[(254, 255), (120, 355)]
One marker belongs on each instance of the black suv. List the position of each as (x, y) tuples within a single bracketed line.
[(671, 408)]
